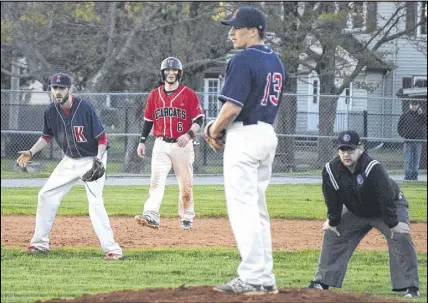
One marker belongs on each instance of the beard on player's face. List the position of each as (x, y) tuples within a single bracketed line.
[(60, 96)]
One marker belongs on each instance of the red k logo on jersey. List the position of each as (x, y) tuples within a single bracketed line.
[(78, 134)]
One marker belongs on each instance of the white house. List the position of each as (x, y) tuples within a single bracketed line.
[(378, 95)]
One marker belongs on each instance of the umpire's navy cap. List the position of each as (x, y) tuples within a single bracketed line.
[(247, 16), (349, 138), (60, 80)]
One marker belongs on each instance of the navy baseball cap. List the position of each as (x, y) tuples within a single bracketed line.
[(349, 138), (60, 80), (247, 16)]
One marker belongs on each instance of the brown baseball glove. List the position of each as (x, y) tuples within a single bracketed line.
[(216, 143)]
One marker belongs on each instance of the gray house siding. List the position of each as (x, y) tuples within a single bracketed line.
[(375, 106), (408, 60), (302, 105), (383, 113)]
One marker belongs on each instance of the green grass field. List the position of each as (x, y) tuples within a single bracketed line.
[(115, 167), (70, 272), (288, 201)]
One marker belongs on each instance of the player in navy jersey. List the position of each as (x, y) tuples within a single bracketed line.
[(78, 131), (251, 95)]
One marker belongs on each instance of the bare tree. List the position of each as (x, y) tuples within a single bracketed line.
[(118, 46), (318, 30), (109, 46)]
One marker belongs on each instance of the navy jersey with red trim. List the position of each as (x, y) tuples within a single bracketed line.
[(76, 133), (254, 80)]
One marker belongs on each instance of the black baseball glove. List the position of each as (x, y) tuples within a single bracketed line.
[(97, 171)]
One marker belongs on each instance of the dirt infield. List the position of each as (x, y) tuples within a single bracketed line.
[(206, 294), (286, 234), (290, 235)]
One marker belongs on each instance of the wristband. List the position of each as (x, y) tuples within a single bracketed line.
[(143, 139), (191, 133)]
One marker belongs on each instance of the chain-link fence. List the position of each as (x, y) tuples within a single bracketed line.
[(307, 127)]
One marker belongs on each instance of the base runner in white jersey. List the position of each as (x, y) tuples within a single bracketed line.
[(80, 134)]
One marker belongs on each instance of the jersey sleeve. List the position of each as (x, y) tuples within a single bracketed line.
[(47, 127), (95, 122), (237, 82), (196, 110), (333, 203), (148, 112)]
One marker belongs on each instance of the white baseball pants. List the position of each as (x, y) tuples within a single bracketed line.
[(166, 155), (248, 158), (59, 183)]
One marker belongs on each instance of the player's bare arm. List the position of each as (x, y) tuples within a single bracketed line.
[(195, 127), (147, 127), (27, 155), (228, 113)]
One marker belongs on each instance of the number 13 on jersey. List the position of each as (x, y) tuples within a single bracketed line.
[(276, 80)]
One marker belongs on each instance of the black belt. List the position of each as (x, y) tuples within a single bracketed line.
[(168, 140), (248, 123), (251, 123)]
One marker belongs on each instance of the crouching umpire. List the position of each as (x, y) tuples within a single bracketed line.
[(360, 196)]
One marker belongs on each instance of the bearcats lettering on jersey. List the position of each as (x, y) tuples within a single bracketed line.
[(170, 112), (172, 115), (76, 133)]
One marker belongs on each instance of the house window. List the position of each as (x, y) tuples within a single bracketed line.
[(212, 87), (357, 16), (422, 15), (419, 81)]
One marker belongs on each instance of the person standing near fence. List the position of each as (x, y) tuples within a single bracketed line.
[(412, 127), (251, 95), (80, 134), (176, 114), (360, 196)]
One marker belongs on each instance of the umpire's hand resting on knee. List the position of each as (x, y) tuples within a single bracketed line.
[(326, 226), (400, 228)]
